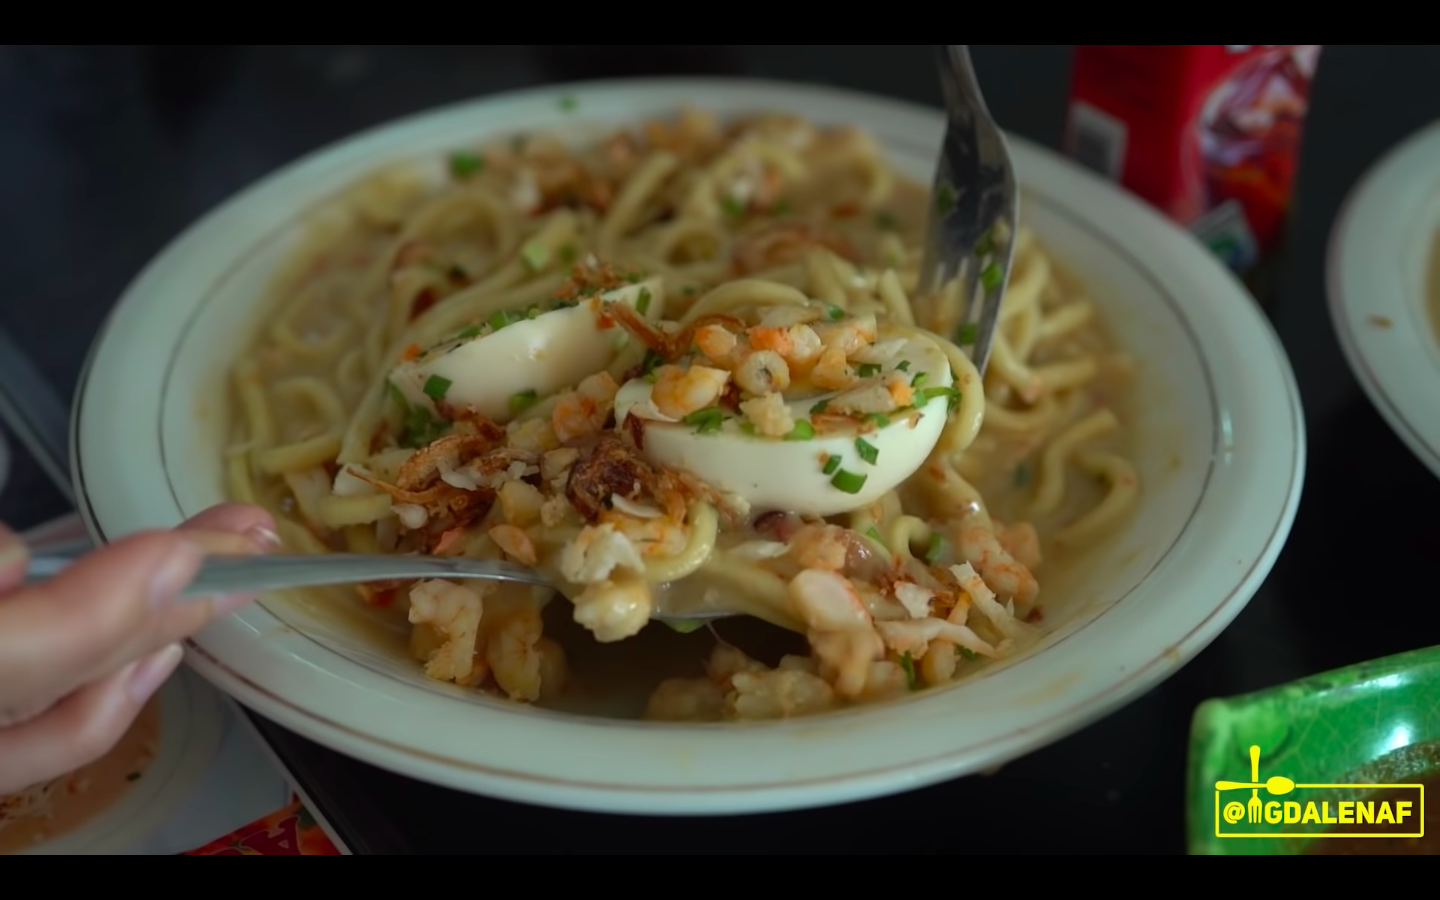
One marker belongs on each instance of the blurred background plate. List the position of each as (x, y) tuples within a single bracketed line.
[(1383, 278)]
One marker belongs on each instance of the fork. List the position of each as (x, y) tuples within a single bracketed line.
[(974, 216), (1254, 808), (230, 574)]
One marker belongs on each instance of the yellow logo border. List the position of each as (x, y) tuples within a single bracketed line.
[(1368, 788)]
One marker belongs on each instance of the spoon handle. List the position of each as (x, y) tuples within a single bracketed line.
[(229, 574)]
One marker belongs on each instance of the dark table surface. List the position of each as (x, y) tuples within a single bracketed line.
[(106, 154)]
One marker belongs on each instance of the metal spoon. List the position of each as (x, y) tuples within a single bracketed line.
[(230, 574), (975, 212)]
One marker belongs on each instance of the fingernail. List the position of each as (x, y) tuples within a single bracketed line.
[(152, 671), (225, 604), (175, 574), (263, 538)]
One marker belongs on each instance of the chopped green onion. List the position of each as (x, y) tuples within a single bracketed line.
[(803, 431), (533, 312), (469, 333), (919, 379), (498, 319), (849, 482), (733, 208), (880, 419), (458, 273), (868, 370), (564, 304), (932, 552), (396, 395), (886, 221), (945, 199), (874, 535), (634, 278), (834, 312), (992, 276), (819, 408), (535, 255), (931, 393), (523, 401), (463, 165), (568, 254), (436, 386), (831, 465), (568, 103), (651, 362), (968, 654), (749, 428), (685, 626), (984, 245), (966, 334), (908, 664), (868, 451), (642, 302), (707, 420), (903, 365), (1021, 476)]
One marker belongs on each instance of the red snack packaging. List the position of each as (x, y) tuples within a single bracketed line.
[(1207, 133), (291, 831)]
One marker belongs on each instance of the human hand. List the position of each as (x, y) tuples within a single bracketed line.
[(82, 653)]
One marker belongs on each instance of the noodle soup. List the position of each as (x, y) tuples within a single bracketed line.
[(682, 368)]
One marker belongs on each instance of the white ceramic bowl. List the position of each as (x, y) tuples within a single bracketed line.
[(1222, 460), (1383, 302)]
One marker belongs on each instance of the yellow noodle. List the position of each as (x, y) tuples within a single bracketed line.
[(692, 204)]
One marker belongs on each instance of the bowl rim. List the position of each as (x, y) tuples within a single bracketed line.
[(1204, 734), (788, 793)]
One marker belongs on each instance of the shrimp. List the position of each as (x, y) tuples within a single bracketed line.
[(805, 346), (584, 410), (717, 342), (775, 339), (851, 336), (596, 552), (778, 694), (1022, 542), (979, 544), (614, 610), (679, 392), (845, 658), (516, 655), (769, 414), (820, 547), (827, 601), (686, 700), (832, 371), (454, 613), (762, 372), (515, 543), (939, 663)]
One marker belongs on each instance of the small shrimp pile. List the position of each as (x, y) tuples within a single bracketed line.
[(720, 360)]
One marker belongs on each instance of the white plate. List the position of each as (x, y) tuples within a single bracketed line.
[(191, 720), (1377, 271), (1222, 462)]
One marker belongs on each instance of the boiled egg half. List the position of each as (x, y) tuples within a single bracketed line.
[(835, 459), (501, 366)]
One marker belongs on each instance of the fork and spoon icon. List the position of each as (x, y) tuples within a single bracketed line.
[(1276, 785)]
